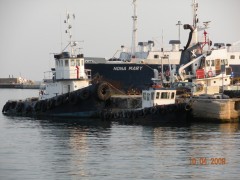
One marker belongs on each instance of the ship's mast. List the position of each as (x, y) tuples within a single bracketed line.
[(195, 8), (69, 32), (195, 22), (134, 32)]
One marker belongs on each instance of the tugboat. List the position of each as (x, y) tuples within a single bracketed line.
[(160, 106), (69, 89)]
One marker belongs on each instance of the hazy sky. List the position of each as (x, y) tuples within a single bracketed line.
[(31, 30)]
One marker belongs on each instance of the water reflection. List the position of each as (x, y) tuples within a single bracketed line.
[(93, 149)]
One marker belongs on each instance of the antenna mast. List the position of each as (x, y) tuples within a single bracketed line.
[(134, 33), (69, 32), (195, 8)]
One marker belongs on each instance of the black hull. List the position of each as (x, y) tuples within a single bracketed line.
[(95, 101), (128, 77), (173, 114), (125, 76), (85, 102)]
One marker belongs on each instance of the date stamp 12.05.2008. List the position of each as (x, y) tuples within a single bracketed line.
[(207, 161)]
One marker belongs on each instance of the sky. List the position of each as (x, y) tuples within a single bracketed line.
[(32, 30)]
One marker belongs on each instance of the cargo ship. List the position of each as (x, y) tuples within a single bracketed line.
[(132, 70)]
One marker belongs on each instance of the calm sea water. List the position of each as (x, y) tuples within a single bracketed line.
[(84, 149)]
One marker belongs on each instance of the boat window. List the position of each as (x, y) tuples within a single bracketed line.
[(61, 63), (82, 62), (212, 62), (164, 95), (232, 57), (226, 61), (152, 95), (148, 96), (77, 62), (172, 95), (157, 95), (208, 62), (144, 96), (66, 63), (57, 64), (156, 56), (217, 63), (239, 57), (72, 62)]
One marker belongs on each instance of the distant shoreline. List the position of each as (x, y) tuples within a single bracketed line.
[(20, 86)]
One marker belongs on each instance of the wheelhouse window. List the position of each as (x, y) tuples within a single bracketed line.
[(66, 63), (172, 95), (164, 95), (148, 96), (61, 63), (77, 62), (152, 95), (212, 62), (226, 61), (157, 95), (144, 96), (72, 62), (208, 62), (232, 57), (156, 56)]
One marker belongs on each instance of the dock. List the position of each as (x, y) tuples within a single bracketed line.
[(18, 83), (216, 110), (20, 86)]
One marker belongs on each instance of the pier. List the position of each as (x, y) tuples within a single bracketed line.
[(216, 110)]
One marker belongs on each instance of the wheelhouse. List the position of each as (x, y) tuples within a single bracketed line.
[(154, 97)]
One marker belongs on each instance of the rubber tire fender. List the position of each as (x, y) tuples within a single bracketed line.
[(84, 94), (103, 91)]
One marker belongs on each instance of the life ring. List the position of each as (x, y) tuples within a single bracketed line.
[(84, 94), (103, 91), (210, 73)]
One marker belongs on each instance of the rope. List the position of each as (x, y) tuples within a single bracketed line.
[(116, 88)]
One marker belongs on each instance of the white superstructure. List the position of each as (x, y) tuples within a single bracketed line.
[(69, 73)]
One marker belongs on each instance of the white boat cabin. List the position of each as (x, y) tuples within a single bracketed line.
[(68, 75), (154, 97)]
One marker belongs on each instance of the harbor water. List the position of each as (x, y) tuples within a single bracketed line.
[(32, 148)]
